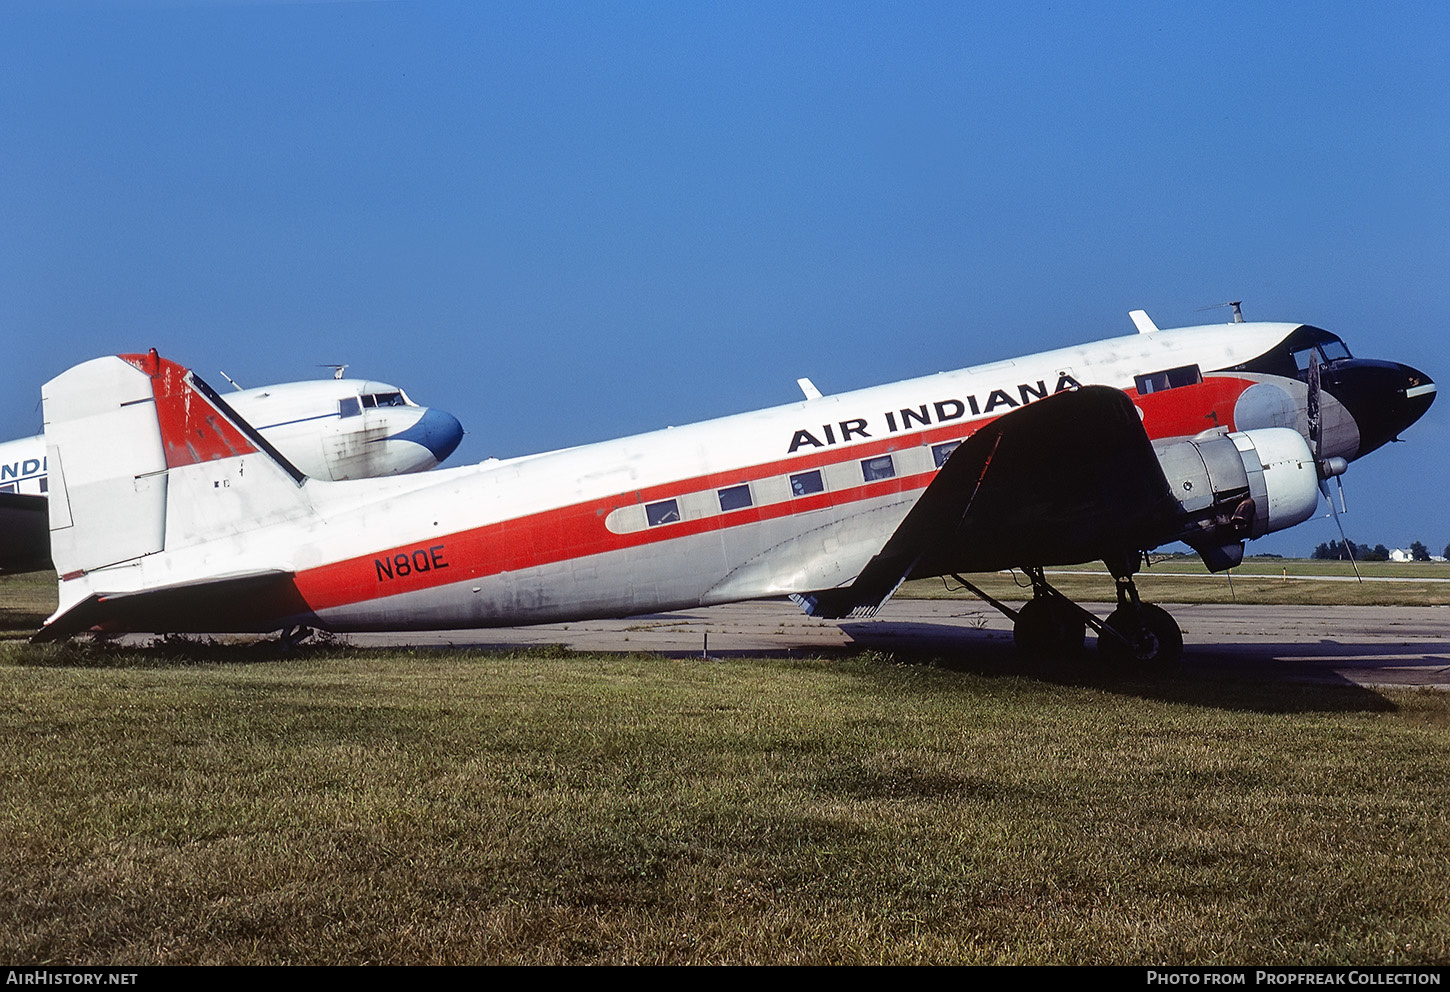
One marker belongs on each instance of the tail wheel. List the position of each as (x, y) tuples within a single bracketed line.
[(1149, 636), (1045, 628)]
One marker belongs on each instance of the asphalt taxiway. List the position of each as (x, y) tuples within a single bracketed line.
[(1361, 645)]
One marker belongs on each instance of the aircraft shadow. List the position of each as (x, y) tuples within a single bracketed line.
[(1274, 677)]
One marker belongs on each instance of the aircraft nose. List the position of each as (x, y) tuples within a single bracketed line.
[(439, 432), (1383, 398)]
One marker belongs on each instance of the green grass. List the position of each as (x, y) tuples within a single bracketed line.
[(193, 803), (25, 601)]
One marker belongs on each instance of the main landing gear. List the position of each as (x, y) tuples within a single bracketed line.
[(1051, 625)]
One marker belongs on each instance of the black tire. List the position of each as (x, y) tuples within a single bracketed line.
[(1047, 629), (1151, 634)]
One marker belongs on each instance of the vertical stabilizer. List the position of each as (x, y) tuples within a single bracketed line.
[(146, 458), (107, 467)]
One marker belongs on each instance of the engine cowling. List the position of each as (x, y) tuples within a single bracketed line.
[(1237, 486)]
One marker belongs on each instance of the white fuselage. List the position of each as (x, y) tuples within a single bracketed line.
[(784, 500)]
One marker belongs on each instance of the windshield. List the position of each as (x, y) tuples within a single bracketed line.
[(1291, 356)]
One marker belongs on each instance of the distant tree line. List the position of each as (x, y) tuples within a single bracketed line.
[(1336, 550)]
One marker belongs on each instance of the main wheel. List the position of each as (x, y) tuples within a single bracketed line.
[(1045, 628), (1151, 634)]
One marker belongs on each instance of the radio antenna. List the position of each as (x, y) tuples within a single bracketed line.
[(1238, 314)]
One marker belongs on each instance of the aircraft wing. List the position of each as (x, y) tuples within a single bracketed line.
[(1067, 479), (24, 533)]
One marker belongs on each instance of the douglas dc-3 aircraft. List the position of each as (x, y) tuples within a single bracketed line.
[(170, 513), (331, 429)]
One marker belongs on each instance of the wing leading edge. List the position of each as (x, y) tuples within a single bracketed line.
[(1067, 479)]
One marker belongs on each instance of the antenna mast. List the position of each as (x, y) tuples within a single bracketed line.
[(1238, 313)]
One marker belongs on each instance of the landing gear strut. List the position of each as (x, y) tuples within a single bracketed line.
[(1137, 631), (1051, 625)]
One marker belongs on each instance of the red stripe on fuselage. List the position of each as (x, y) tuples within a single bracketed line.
[(1188, 410), (541, 539), (579, 530)]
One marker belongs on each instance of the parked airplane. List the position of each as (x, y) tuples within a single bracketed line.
[(331, 429), (169, 513)]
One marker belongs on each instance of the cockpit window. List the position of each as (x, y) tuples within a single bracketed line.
[(348, 407), (383, 399), (1328, 351), (1290, 357)]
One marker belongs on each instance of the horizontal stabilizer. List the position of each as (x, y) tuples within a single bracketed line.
[(259, 601)]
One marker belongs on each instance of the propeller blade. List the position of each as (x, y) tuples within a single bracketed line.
[(1326, 467), (1348, 548), (1316, 423)]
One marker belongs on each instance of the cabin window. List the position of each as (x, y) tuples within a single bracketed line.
[(941, 452), (805, 483), (1157, 382), (348, 406), (734, 498), (874, 469), (666, 511)]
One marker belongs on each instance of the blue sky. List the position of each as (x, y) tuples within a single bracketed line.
[(564, 222)]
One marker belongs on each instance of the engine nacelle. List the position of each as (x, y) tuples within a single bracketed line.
[(1232, 487)]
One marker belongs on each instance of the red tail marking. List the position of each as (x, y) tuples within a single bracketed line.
[(192, 429)]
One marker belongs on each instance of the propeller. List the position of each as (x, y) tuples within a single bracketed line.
[(1327, 467)]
